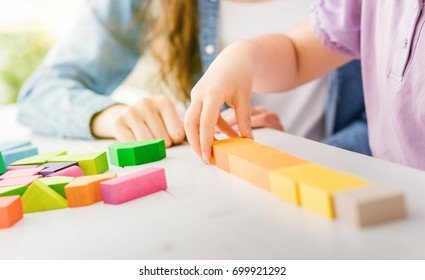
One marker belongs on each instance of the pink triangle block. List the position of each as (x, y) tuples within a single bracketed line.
[(134, 185), (73, 171), (19, 181), (21, 173), (19, 167)]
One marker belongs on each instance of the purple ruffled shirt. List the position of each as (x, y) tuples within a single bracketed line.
[(389, 37)]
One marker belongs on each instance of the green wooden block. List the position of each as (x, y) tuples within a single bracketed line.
[(57, 183), (40, 197), (136, 152), (2, 166), (16, 190), (90, 163), (39, 159)]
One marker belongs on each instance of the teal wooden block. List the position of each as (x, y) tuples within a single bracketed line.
[(2, 166), (38, 159), (90, 163), (136, 152), (9, 191), (57, 183), (10, 145), (19, 153), (40, 197)]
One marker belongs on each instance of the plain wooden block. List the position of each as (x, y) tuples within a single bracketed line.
[(19, 153), (317, 192), (90, 163), (2, 165), (84, 191), (21, 173), (52, 167), (15, 190), (10, 210), (57, 183), (18, 181), (136, 152), (369, 206), (221, 149), (134, 185), (38, 159), (284, 182), (19, 167), (14, 144), (40, 197), (73, 171), (255, 165)]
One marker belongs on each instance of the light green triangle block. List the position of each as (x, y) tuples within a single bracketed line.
[(90, 163), (16, 190), (40, 197), (57, 183), (136, 152), (2, 166), (39, 159)]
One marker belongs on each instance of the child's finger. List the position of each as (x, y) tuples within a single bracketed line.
[(138, 127), (209, 118), (171, 119), (243, 115), (191, 125)]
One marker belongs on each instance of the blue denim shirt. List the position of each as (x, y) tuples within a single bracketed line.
[(84, 68)]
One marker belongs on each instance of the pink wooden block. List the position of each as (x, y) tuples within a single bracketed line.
[(73, 171), (134, 185), (18, 167), (21, 173), (19, 181)]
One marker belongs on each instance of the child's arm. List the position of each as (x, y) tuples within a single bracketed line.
[(269, 63)]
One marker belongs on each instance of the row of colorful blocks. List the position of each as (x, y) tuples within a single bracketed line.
[(317, 188)]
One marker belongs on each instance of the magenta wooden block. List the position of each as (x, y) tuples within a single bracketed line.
[(19, 181), (18, 167), (134, 185), (53, 167), (73, 171), (26, 172)]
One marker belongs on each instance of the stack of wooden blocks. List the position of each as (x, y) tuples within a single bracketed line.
[(57, 180), (327, 192)]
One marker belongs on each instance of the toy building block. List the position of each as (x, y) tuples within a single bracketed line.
[(57, 183), (40, 197), (18, 181), (221, 149), (284, 182), (15, 190), (369, 206), (52, 167), (134, 185), (2, 166), (84, 191), (21, 173), (316, 192), (90, 163), (19, 167), (10, 145), (254, 165), (136, 152), (38, 159), (73, 171), (10, 210), (16, 154)]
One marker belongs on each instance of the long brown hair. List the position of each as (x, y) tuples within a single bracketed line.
[(170, 34)]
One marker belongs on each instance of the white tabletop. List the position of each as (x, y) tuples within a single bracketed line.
[(209, 214)]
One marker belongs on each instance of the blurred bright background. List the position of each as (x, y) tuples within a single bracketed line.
[(28, 28)]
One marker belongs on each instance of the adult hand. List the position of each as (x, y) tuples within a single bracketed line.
[(148, 118)]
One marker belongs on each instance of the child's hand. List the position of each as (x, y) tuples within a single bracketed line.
[(149, 118), (229, 79), (260, 117)]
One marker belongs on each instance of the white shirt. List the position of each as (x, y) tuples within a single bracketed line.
[(301, 110)]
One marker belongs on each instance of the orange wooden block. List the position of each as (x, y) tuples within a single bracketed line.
[(254, 165), (10, 210), (221, 149), (84, 191)]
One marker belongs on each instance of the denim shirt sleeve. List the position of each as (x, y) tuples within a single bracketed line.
[(82, 70)]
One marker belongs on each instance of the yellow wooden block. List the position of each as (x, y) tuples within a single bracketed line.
[(284, 182), (221, 148), (255, 165), (316, 192)]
